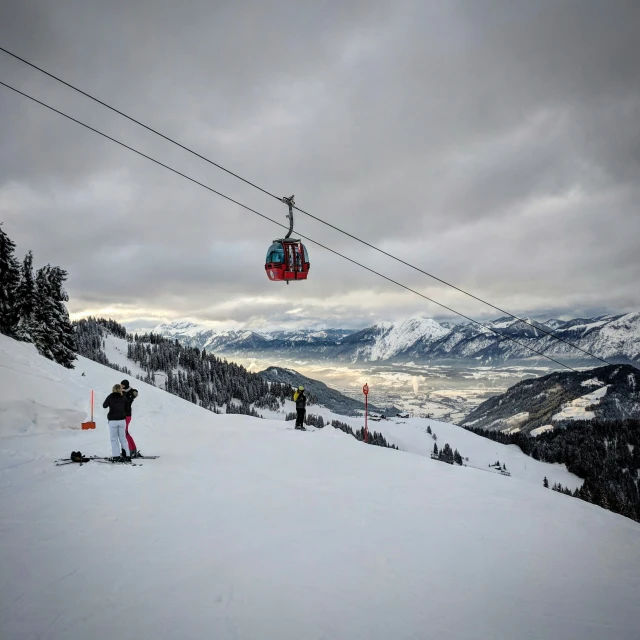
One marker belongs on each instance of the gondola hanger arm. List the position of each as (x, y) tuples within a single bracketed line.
[(291, 203)]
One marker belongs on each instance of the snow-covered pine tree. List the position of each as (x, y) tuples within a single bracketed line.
[(26, 301), (9, 280), (53, 333), (446, 454), (64, 351), (42, 334)]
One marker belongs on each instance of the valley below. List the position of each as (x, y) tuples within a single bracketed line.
[(444, 392)]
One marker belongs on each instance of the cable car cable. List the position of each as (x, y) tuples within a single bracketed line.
[(201, 184), (124, 115), (332, 226)]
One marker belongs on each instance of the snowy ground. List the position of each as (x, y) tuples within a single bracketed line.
[(244, 529), (116, 352), (542, 429), (411, 436), (576, 409)]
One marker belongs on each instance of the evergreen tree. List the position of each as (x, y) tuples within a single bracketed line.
[(446, 454), (42, 333), (9, 280), (53, 332), (375, 438), (65, 347), (26, 301), (435, 449), (545, 483)]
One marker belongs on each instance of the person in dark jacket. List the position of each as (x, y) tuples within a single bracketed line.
[(118, 406), (301, 407), (131, 395)]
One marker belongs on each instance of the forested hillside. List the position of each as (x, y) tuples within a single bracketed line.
[(605, 453), (188, 372), (606, 393), (202, 378), (90, 335), (328, 397)]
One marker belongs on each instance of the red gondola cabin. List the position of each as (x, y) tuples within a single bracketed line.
[(287, 259)]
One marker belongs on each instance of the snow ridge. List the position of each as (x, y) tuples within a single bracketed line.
[(422, 339)]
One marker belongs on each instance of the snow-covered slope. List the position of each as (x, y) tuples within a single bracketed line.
[(411, 435), (244, 529), (578, 409)]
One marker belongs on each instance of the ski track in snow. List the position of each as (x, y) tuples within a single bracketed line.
[(244, 529)]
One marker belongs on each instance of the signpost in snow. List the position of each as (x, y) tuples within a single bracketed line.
[(365, 390), (91, 424)]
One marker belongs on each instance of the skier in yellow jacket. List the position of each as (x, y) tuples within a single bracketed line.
[(301, 407)]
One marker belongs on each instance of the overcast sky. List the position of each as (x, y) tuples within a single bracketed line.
[(495, 144)]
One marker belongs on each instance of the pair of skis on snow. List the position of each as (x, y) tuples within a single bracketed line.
[(112, 461), (65, 461)]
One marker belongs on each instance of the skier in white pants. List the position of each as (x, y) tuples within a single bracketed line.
[(117, 403)]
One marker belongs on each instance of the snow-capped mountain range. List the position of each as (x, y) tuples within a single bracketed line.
[(615, 338)]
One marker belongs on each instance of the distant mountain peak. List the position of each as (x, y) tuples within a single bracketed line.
[(398, 336), (178, 326)]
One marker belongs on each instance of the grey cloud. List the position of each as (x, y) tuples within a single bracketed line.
[(496, 144)]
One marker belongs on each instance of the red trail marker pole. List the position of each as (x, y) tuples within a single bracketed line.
[(92, 424), (365, 390)]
